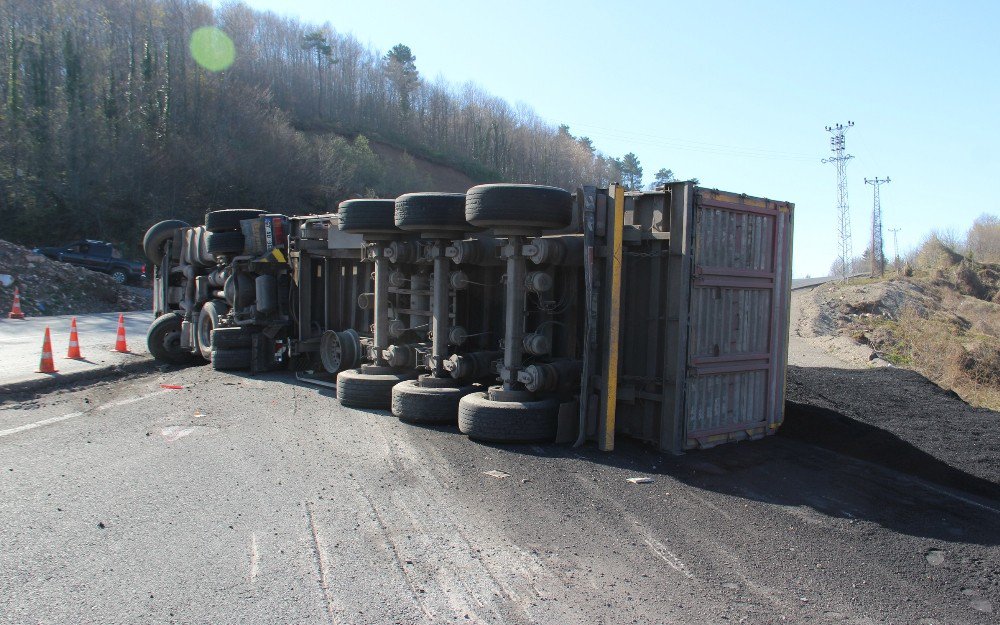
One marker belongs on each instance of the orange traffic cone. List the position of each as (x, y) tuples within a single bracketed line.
[(120, 345), (15, 310), (47, 365), (74, 342)]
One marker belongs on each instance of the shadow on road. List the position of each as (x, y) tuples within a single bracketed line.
[(824, 461)]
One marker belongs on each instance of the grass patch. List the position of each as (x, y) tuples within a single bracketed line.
[(940, 348)]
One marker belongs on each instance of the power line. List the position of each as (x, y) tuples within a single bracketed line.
[(843, 208), (877, 249), (696, 146)]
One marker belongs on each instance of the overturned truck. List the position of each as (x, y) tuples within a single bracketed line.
[(521, 312)]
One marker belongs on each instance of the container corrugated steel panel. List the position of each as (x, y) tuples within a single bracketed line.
[(737, 319)]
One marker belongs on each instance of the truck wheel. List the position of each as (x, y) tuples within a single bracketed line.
[(229, 219), (368, 216), (220, 243), (230, 359), (208, 320), (157, 235), (518, 205), (421, 404), (163, 339), (357, 389), (507, 422), (431, 212), (119, 276), (231, 338), (339, 350)]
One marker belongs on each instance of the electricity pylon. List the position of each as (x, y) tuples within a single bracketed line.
[(843, 208), (878, 249)]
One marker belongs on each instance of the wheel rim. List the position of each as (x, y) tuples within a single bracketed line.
[(119, 277), (172, 341)]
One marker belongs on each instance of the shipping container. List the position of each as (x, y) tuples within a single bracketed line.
[(696, 297)]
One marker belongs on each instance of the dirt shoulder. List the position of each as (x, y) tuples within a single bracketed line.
[(812, 341)]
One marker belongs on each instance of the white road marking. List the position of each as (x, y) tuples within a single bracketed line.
[(254, 557), (174, 432), (669, 557), (132, 400), (38, 424), (946, 493), (73, 415)]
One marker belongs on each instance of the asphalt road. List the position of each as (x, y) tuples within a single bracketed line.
[(21, 344), (259, 500)]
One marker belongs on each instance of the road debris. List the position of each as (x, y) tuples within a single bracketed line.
[(640, 480), (173, 387), (500, 475), (935, 557)]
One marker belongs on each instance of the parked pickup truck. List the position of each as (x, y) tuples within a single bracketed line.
[(98, 256)]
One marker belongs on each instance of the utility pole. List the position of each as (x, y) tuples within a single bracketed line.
[(878, 249), (895, 246), (843, 209)]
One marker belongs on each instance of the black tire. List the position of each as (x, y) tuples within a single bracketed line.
[(230, 359), (157, 236), (431, 212), (508, 422), (220, 243), (120, 276), (360, 390), (208, 320), (163, 339), (518, 205), (368, 216), (229, 219), (232, 338), (419, 404)]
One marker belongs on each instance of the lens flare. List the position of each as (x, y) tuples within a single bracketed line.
[(212, 48)]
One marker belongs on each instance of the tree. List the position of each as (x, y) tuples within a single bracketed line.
[(317, 42), (631, 172), (662, 177), (402, 67), (983, 239)]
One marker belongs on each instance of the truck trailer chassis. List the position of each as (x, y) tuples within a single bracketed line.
[(521, 312)]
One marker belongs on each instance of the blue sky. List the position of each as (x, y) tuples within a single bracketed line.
[(737, 94)]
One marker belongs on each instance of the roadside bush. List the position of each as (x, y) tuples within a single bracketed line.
[(934, 254), (968, 282)]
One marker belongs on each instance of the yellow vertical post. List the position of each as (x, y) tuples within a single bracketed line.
[(617, 214)]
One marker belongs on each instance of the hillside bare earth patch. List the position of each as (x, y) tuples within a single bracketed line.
[(421, 174)]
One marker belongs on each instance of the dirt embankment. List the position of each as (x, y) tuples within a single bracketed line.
[(843, 396), (938, 325), (48, 287), (876, 371)]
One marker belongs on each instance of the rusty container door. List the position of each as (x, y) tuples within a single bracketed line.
[(738, 318)]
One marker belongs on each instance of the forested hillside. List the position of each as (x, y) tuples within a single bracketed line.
[(113, 116)]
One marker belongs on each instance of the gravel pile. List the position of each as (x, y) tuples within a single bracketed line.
[(48, 287)]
